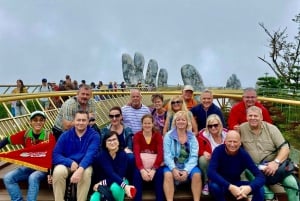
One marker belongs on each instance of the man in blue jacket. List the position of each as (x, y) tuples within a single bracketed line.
[(73, 155), (227, 163)]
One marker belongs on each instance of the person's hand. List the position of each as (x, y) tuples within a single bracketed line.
[(183, 175), (96, 186), (176, 174), (128, 189), (271, 168), (145, 175), (206, 155), (151, 173), (76, 176), (235, 190), (127, 150), (74, 166), (49, 179), (244, 191)]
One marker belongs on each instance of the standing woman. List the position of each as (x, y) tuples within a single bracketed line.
[(208, 139), (19, 109), (112, 166), (181, 157), (177, 104), (148, 153), (159, 113)]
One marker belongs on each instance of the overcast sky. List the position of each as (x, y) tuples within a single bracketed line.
[(86, 39)]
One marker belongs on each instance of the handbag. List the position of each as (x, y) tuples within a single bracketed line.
[(71, 193), (285, 169), (105, 193), (148, 160)]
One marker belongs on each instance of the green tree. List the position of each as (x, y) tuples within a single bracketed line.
[(284, 56)]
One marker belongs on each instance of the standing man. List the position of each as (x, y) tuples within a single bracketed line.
[(238, 112), (206, 108), (227, 163), (83, 101), (188, 96), (36, 140), (45, 87), (134, 111), (260, 139), (73, 155)]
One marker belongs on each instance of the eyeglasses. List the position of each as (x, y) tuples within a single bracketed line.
[(114, 116), (250, 97), (111, 140), (176, 102), (92, 119), (213, 125)]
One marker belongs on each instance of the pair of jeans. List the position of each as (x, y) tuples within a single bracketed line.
[(34, 178)]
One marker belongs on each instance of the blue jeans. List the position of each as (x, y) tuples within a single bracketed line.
[(219, 192), (34, 178)]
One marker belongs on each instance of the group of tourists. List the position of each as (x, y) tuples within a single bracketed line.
[(184, 141)]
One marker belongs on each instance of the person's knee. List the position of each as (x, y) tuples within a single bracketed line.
[(60, 172), (7, 178), (168, 177), (214, 187)]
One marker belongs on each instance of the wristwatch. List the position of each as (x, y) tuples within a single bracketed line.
[(277, 161)]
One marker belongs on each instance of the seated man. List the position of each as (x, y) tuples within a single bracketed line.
[(260, 139), (73, 155), (35, 140), (227, 163)]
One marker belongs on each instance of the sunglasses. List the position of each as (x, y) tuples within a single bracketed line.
[(213, 125), (92, 119), (175, 102), (114, 116)]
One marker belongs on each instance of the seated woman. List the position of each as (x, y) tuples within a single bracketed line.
[(176, 104), (125, 136), (181, 157), (148, 153), (112, 166), (208, 139)]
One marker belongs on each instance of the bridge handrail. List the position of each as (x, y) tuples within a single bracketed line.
[(10, 124)]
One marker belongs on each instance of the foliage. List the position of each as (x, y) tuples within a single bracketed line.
[(284, 55)]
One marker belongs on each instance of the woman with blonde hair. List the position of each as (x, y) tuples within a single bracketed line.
[(181, 157), (209, 138), (176, 104)]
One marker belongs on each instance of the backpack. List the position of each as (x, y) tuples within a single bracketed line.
[(42, 86)]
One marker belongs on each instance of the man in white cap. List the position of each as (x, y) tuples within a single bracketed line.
[(188, 96), (36, 139)]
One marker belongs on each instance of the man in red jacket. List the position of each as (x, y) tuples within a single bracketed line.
[(35, 157), (238, 112)]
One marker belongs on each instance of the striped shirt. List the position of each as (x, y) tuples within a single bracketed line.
[(132, 117)]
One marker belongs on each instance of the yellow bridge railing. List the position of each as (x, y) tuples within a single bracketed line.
[(223, 98)]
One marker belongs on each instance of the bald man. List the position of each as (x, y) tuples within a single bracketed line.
[(227, 163)]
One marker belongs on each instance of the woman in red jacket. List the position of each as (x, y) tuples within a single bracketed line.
[(148, 153), (208, 139)]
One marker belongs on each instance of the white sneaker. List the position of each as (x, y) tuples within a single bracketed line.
[(205, 190)]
